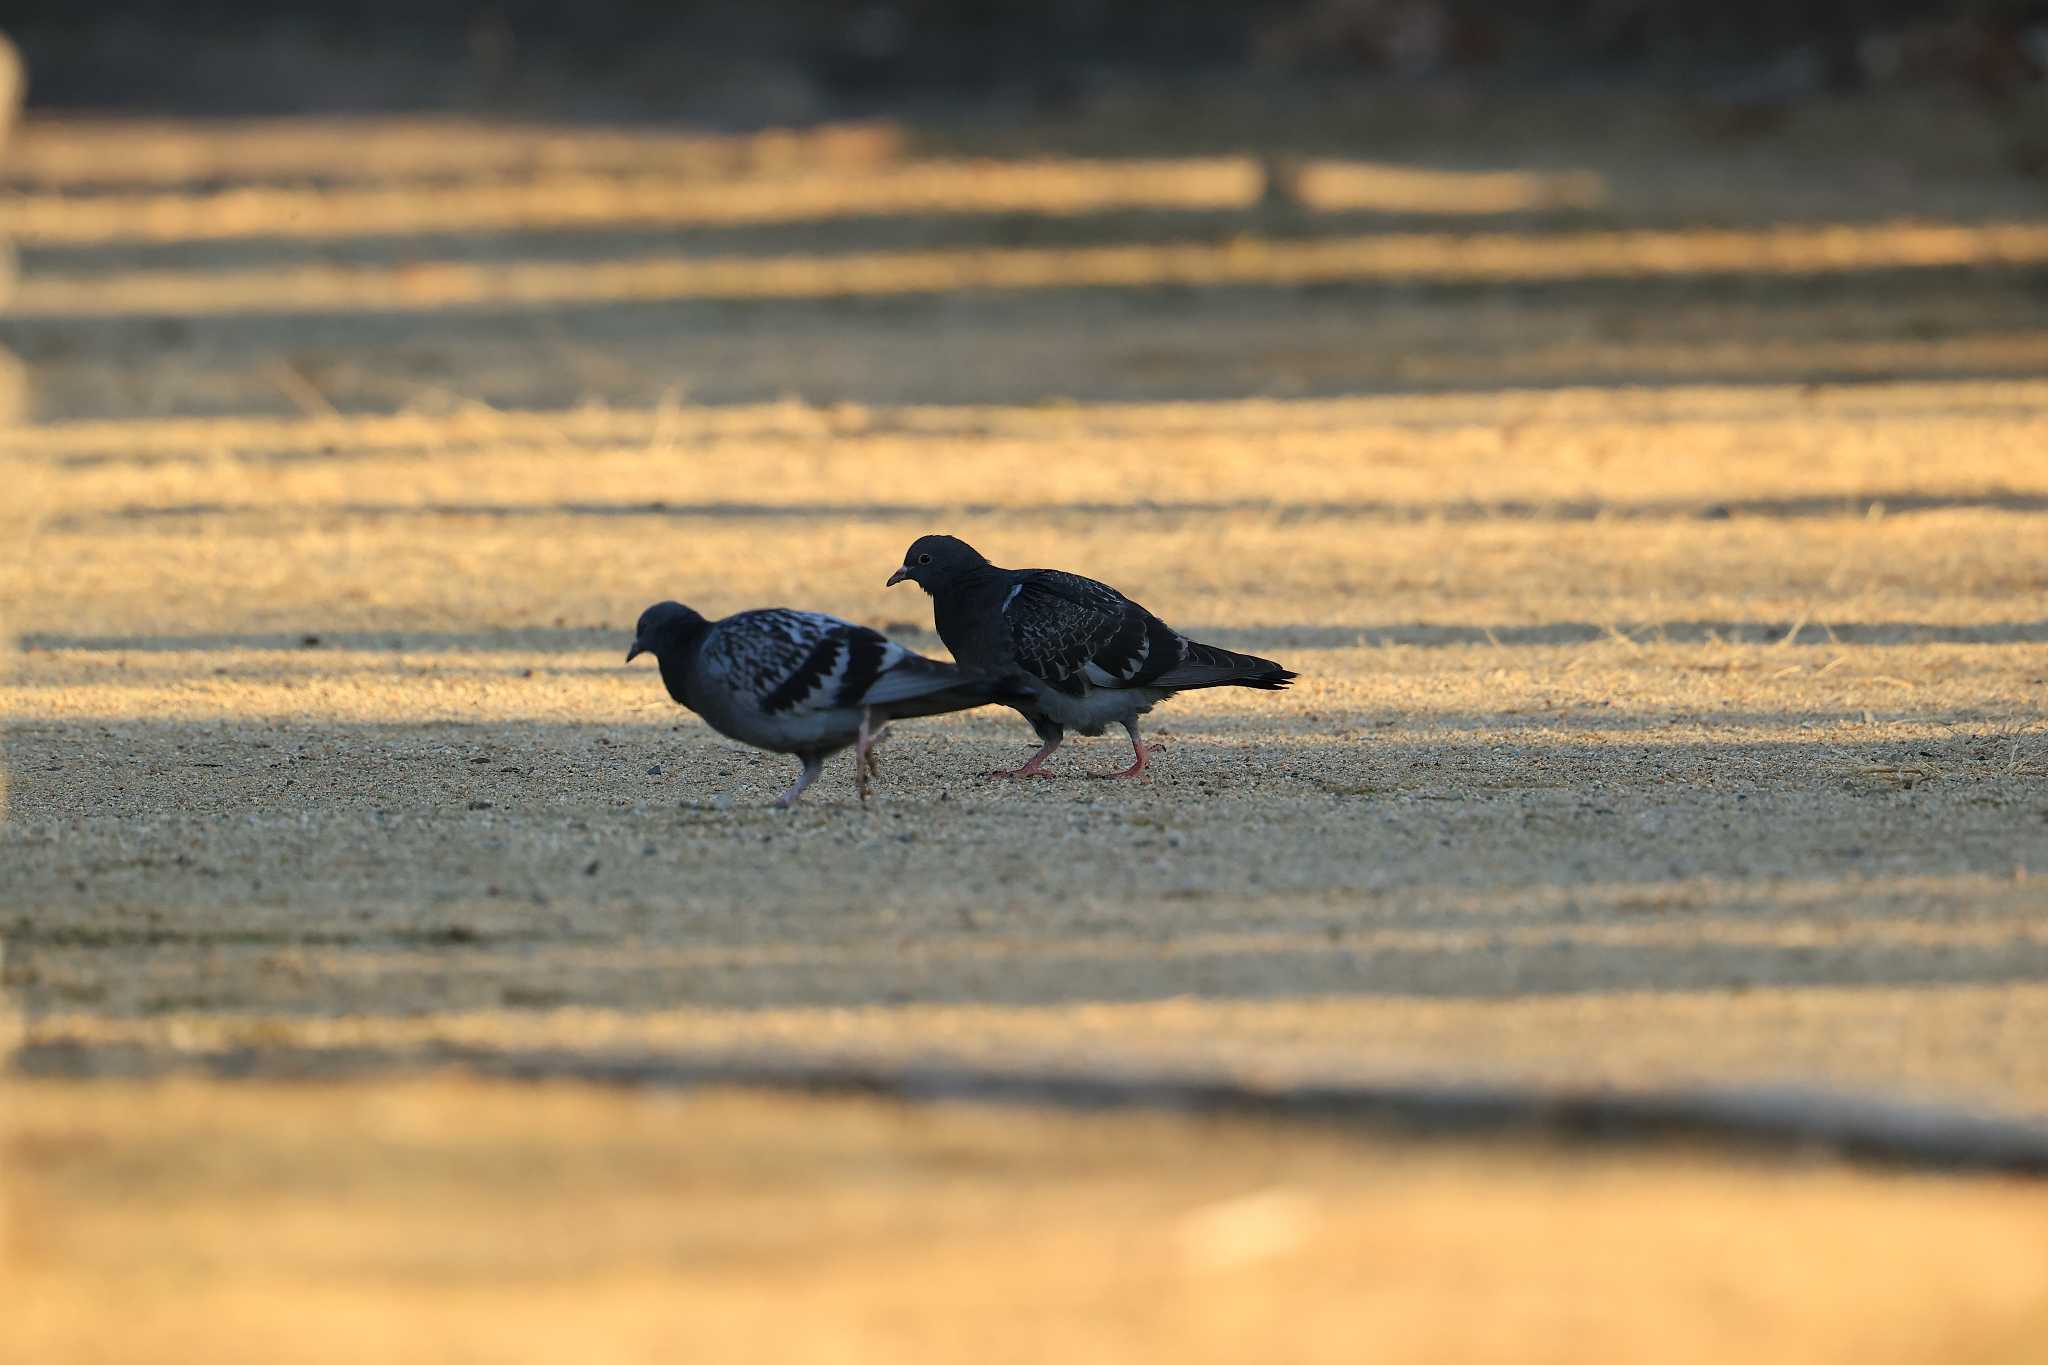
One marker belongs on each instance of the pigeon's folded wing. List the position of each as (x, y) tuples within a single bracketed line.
[(795, 663), (1074, 632)]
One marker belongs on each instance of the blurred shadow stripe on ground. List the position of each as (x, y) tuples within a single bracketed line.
[(1234, 342), (433, 286), (2019, 399), (1954, 910), (375, 978), (1417, 634), (2013, 936), (556, 200), (1804, 1121), (1853, 506)]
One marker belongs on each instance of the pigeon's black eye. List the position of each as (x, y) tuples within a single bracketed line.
[(924, 559)]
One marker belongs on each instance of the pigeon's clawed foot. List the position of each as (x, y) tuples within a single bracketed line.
[(809, 774), (1142, 753), (1035, 767), (1137, 768)]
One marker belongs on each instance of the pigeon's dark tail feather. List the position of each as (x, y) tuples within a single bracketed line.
[(966, 691), (1212, 666)]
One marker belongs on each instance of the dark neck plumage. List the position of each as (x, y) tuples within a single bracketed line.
[(968, 597), (677, 654), (972, 584)]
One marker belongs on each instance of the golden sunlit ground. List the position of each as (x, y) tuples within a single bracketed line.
[(448, 1221), (1659, 525)]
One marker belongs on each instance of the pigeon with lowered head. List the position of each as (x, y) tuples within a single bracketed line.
[(800, 682), (1087, 655)]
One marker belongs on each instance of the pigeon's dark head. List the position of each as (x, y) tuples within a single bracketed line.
[(664, 626), (932, 562)]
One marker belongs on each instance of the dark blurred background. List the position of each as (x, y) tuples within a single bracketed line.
[(534, 206), (779, 60)]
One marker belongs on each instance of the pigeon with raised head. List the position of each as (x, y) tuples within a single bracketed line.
[(801, 682), (1088, 656)]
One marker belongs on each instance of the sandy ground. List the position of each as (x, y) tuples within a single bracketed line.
[(1670, 595), (449, 1221), (1617, 714)]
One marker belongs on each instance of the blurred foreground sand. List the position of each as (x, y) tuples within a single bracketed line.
[(436, 1221)]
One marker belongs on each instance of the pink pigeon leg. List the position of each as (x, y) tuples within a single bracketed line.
[(1142, 755), (1035, 766), (813, 765), (865, 764)]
